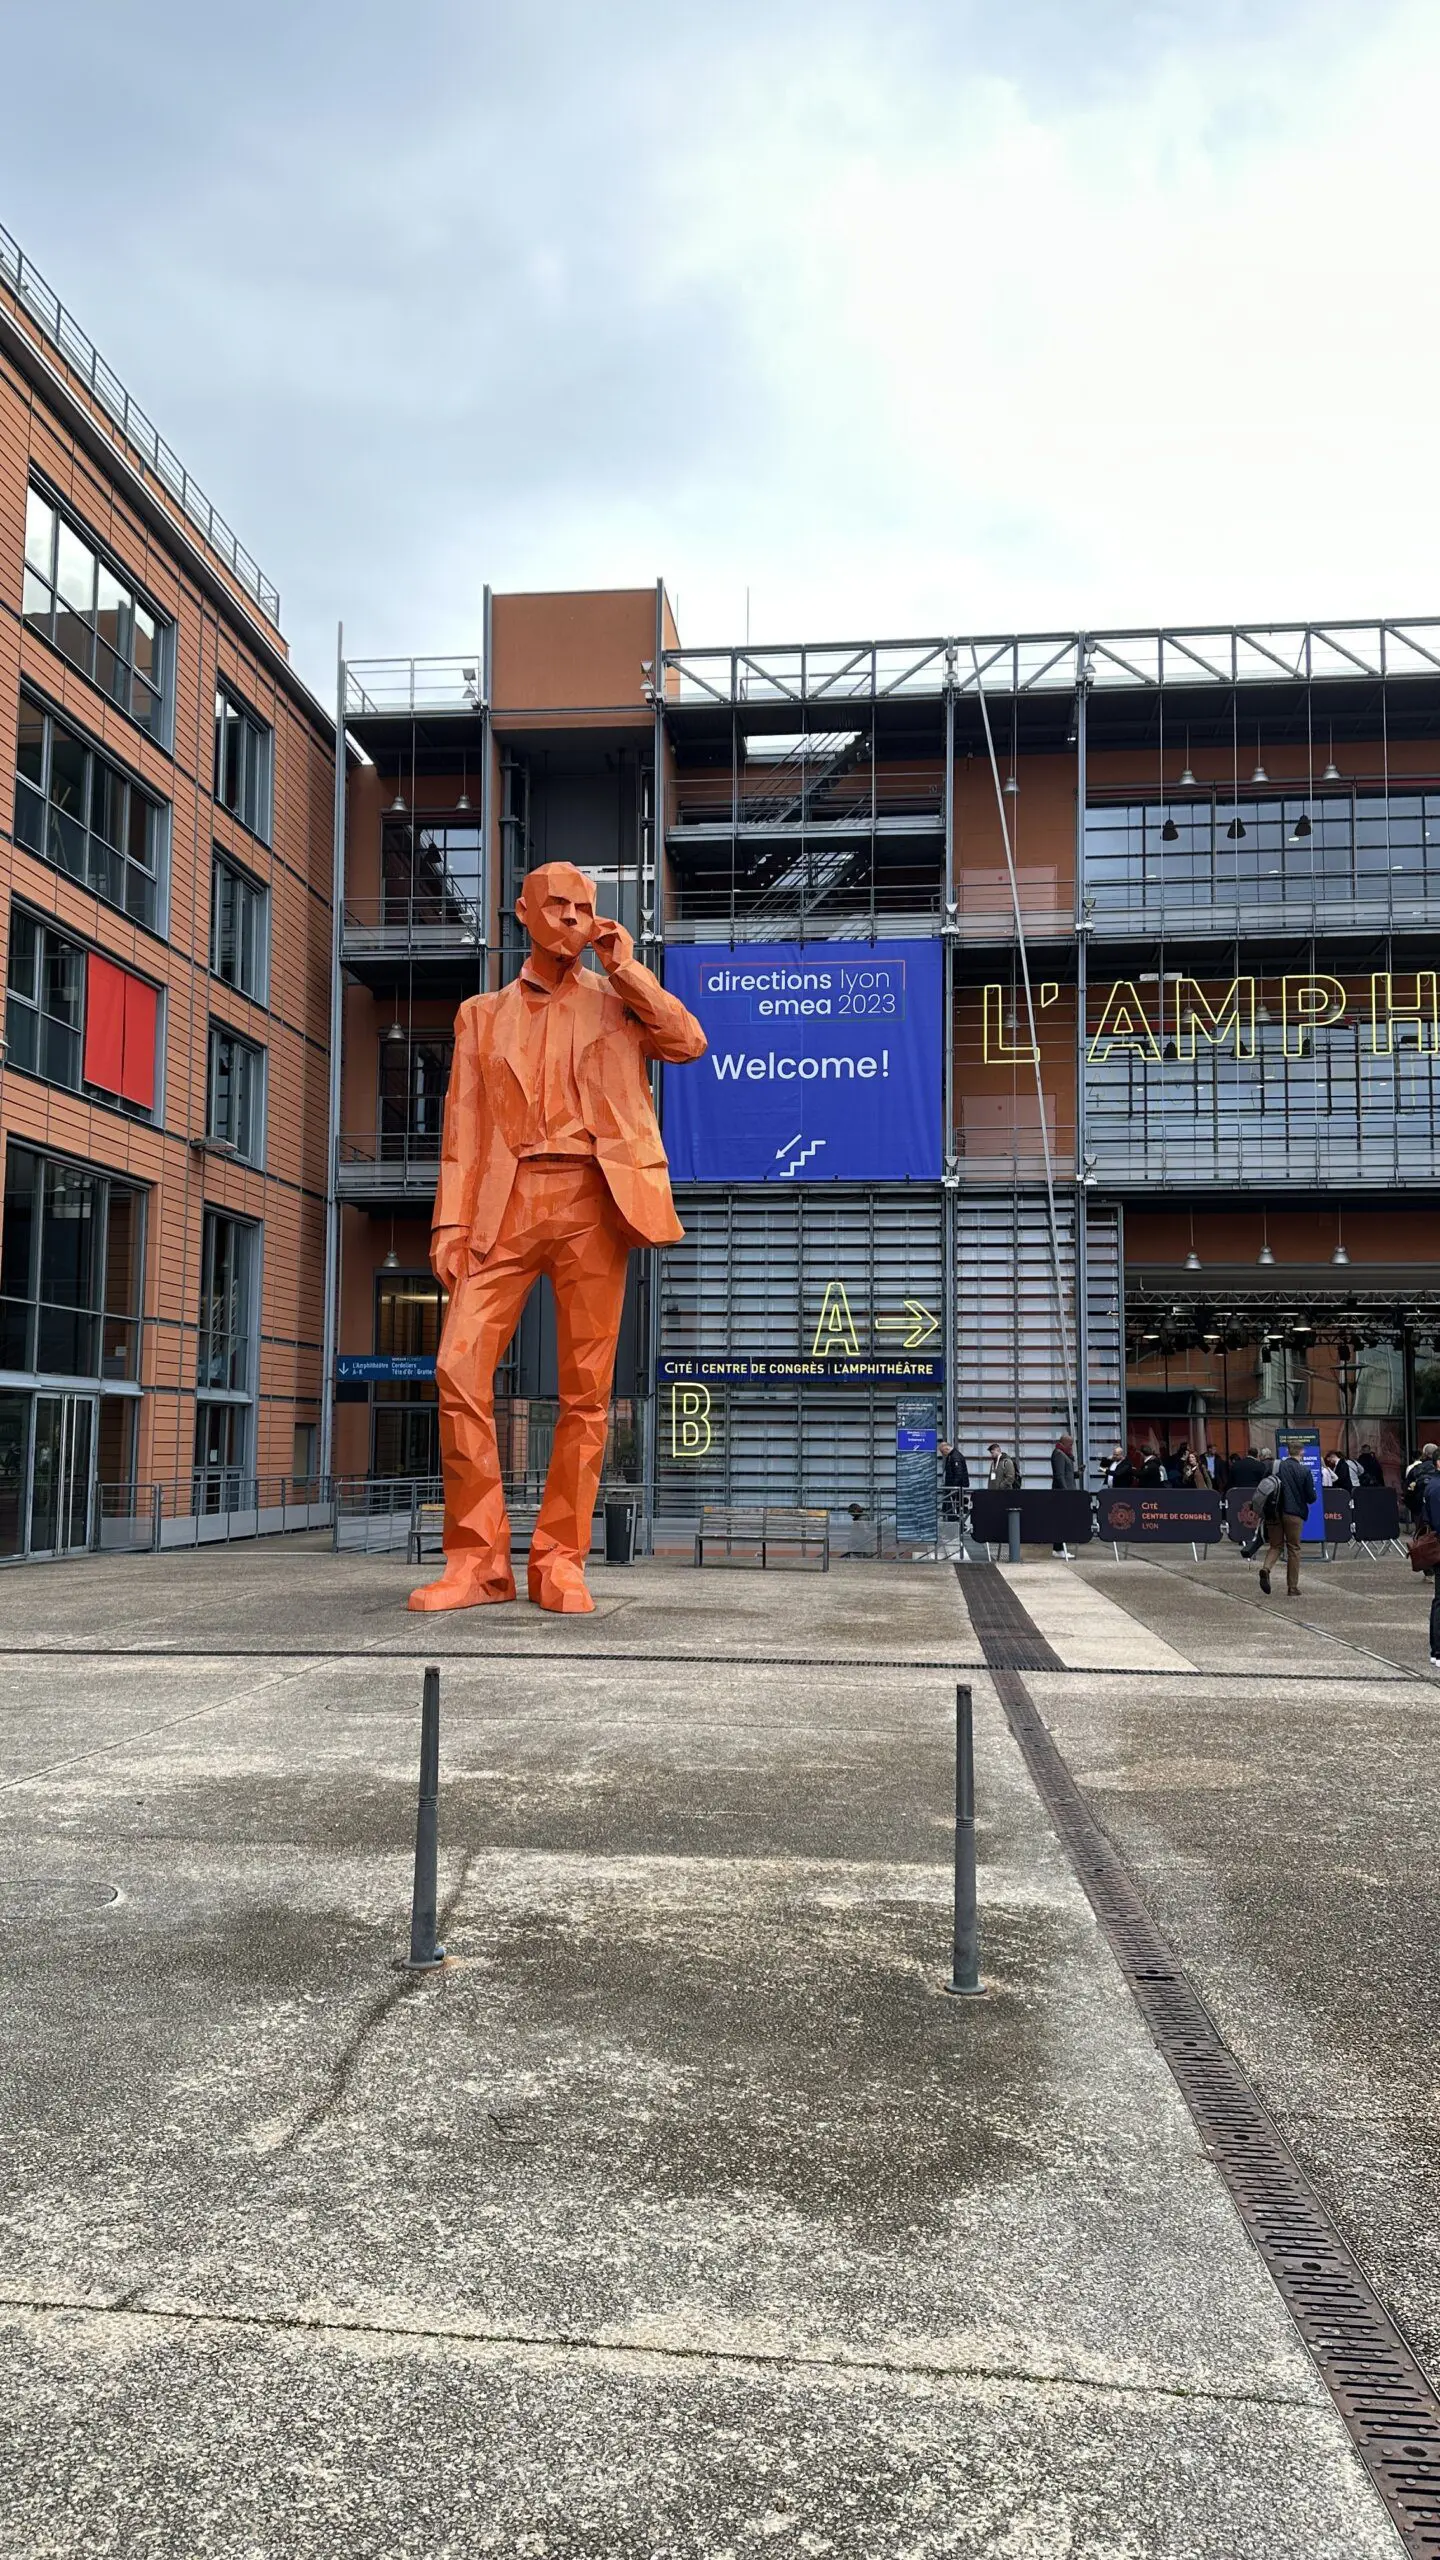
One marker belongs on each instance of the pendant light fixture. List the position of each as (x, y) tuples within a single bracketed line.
[(398, 805), (1169, 833), (1340, 1258), (1236, 828), (395, 1036), (392, 1258), (1332, 770), (1192, 1258), (1187, 778), (1259, 774), (1265, 1257), (464, 801)]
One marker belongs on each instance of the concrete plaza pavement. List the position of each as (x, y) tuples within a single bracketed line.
[(683, 2214)]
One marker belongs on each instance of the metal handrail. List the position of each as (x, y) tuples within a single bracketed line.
[(380, 687), (81, 356)]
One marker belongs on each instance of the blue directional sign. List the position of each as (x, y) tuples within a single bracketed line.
[(376, 1367), (823, 1065)]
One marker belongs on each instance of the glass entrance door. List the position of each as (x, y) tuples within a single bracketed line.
[(14, 1453), (60, 1474)]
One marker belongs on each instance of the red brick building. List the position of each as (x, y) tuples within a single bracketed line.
[(165, 837)]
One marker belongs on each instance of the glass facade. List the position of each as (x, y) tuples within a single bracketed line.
[(81, 813), (405, 1422), (433, 877), (1346, 1110), (71, 1269), (1339, 856), (95, 617)]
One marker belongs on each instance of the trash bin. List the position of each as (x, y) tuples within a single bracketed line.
[(620, 1532)]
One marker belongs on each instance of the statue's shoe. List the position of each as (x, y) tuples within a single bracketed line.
[(559, 1583), (465, 1587)]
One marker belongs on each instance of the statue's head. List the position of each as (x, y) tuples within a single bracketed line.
[(556, 906)]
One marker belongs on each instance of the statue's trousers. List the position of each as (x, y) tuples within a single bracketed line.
[(560, 1219)]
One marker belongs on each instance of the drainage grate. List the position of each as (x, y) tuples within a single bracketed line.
[(1374, 2379), (1009, 1637)]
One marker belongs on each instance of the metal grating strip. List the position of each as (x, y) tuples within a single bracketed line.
[(1008, 1635), (1375, 2380)]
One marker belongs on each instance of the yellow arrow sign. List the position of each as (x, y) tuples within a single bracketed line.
[(923, 1326)]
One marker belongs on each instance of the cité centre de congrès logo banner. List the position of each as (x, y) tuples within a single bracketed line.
[(823, 1064)]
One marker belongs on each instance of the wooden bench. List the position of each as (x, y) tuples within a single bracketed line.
[(740, 1537)]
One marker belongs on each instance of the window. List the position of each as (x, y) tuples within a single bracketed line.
[(80, 812), (72, 1269), (235, 1112), (74, 1018), (239, 930), (409, 1313), (242, 764), (227, 1310), (95, 617), (434, 882), (414, 1075)]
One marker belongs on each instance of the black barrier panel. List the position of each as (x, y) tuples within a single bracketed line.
[(1046, 1519), (1377, 1512), (1160, 1515), (1241, 1521), (1242, 1525), (1339, 1517)]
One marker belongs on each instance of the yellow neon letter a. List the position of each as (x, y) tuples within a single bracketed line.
[(836, 1328), (1124, 1024)]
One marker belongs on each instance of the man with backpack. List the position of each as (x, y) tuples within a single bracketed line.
[(1284, 1512)]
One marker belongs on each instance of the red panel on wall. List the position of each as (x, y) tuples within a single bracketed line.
[(138, 1059), (120, 1018), (104, 1024)]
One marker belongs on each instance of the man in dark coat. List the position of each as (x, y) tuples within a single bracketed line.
[(956, 1479), (1286, 1520), (1249, 1469), (1062, 1480), (1371, 1471), (1431, 1520)]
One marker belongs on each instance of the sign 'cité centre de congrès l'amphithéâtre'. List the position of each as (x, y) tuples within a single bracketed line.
[(823, 1064)]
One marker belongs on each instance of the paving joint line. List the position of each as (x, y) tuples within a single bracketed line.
[(591, 2343), (1380, 2390)]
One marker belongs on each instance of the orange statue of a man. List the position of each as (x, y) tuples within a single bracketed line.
[(551, 1161)]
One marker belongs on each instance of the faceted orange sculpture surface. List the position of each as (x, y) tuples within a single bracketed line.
[(551, 1161)]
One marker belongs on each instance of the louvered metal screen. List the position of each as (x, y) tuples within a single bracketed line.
[(1009, 1363), (750, 1278)]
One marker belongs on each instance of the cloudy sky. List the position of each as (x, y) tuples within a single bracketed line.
[(901, 315)]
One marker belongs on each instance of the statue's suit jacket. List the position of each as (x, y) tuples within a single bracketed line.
[(623, 1021)]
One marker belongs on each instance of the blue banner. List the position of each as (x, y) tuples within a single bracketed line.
[(823, 1065)]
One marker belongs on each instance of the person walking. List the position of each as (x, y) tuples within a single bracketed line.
[(1062, 1480), (1295, 1495), (956, 1479), (1004, 1474), (1416, 1475), (1430, 1519)]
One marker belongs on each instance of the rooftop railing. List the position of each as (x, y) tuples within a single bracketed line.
[(42, 305), (1054, 662), (399, 688)]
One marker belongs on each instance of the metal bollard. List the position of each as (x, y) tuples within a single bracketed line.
[(965, 1970), (1012, 1528), (425, 1949)]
